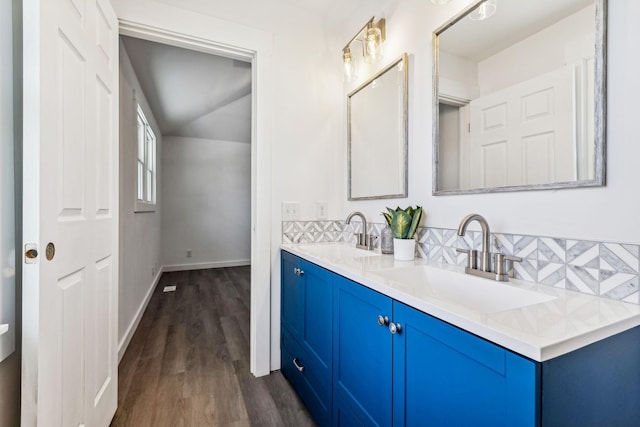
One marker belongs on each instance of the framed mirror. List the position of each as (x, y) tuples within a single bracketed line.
[(377, 135), (519, 97)]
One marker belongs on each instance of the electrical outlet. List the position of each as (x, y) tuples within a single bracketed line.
[(322, 210), (189, 253), (290, 211)]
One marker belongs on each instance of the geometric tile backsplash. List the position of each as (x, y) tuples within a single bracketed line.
[(606, 269)]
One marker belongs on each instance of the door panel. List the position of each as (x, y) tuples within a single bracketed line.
[(104, 152), (71, 196), (71, 300), (102, 347), (71, 127), (494, 158), (525, 134)]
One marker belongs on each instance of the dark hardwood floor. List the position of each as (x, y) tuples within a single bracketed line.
[(188, 362)]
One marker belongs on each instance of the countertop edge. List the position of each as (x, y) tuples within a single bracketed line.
[(538, 353)]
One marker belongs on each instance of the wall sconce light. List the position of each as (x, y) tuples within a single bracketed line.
[(484, 11), (372, 35), (350, 70)]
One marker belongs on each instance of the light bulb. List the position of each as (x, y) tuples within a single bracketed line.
[(350, 72), (484, 11), (373, 45)]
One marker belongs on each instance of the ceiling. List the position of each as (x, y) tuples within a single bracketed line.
[(279, 15), (193, 94), (514, 20)]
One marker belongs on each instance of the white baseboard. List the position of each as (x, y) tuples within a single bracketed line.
[(204, 265), (124, 343)]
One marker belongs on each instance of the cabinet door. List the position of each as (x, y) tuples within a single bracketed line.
[(362, 356), (307, 307), (444, 376), (317, 313), (291, 295)]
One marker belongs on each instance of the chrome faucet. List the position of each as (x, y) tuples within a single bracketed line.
[(503, 263), (363, 240), (485, 264)]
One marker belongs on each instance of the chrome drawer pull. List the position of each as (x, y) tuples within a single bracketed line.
[(298, 367)]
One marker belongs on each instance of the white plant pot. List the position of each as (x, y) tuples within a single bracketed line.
[(404, 249)]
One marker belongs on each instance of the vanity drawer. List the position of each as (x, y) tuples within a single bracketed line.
[(313, 382)]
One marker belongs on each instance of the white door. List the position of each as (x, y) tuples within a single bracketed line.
[(525, 134), (70, 199)]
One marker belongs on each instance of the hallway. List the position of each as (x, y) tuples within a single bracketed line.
[(188, 362)]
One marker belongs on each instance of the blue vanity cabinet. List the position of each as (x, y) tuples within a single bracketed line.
[(339, 353), (362, 352), (306, 335), (426, 373), (444, 376), (597, 385)]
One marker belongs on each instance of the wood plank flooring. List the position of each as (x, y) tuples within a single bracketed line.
[(188, 362)]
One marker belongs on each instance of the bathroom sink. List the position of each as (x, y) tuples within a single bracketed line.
[(472, 292), (336, 251)]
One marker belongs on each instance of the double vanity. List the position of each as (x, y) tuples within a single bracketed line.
[(370, 341), (367, 340)]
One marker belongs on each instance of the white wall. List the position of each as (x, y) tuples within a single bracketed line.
[(552, 48), (206, 203), (458, 77), (303, 81), (309, 121), (9, 309), (140, 250), (609, 213), (450, 147)]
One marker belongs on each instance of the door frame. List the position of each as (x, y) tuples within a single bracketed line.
[(258, 53)]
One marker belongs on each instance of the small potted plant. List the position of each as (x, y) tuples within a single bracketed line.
[(404, 223)]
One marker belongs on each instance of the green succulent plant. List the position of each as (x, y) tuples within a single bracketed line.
[(403, 222)]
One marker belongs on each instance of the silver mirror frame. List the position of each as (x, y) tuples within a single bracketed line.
[(600, 122), (405, 122)]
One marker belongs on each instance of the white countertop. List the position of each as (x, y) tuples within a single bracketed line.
[(564, 321)]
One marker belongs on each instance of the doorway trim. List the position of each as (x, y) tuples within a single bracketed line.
[(258, 53)]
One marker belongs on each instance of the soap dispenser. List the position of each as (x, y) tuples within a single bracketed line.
[(386, 240)]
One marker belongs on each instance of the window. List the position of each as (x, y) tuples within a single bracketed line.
[(146, 165)]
